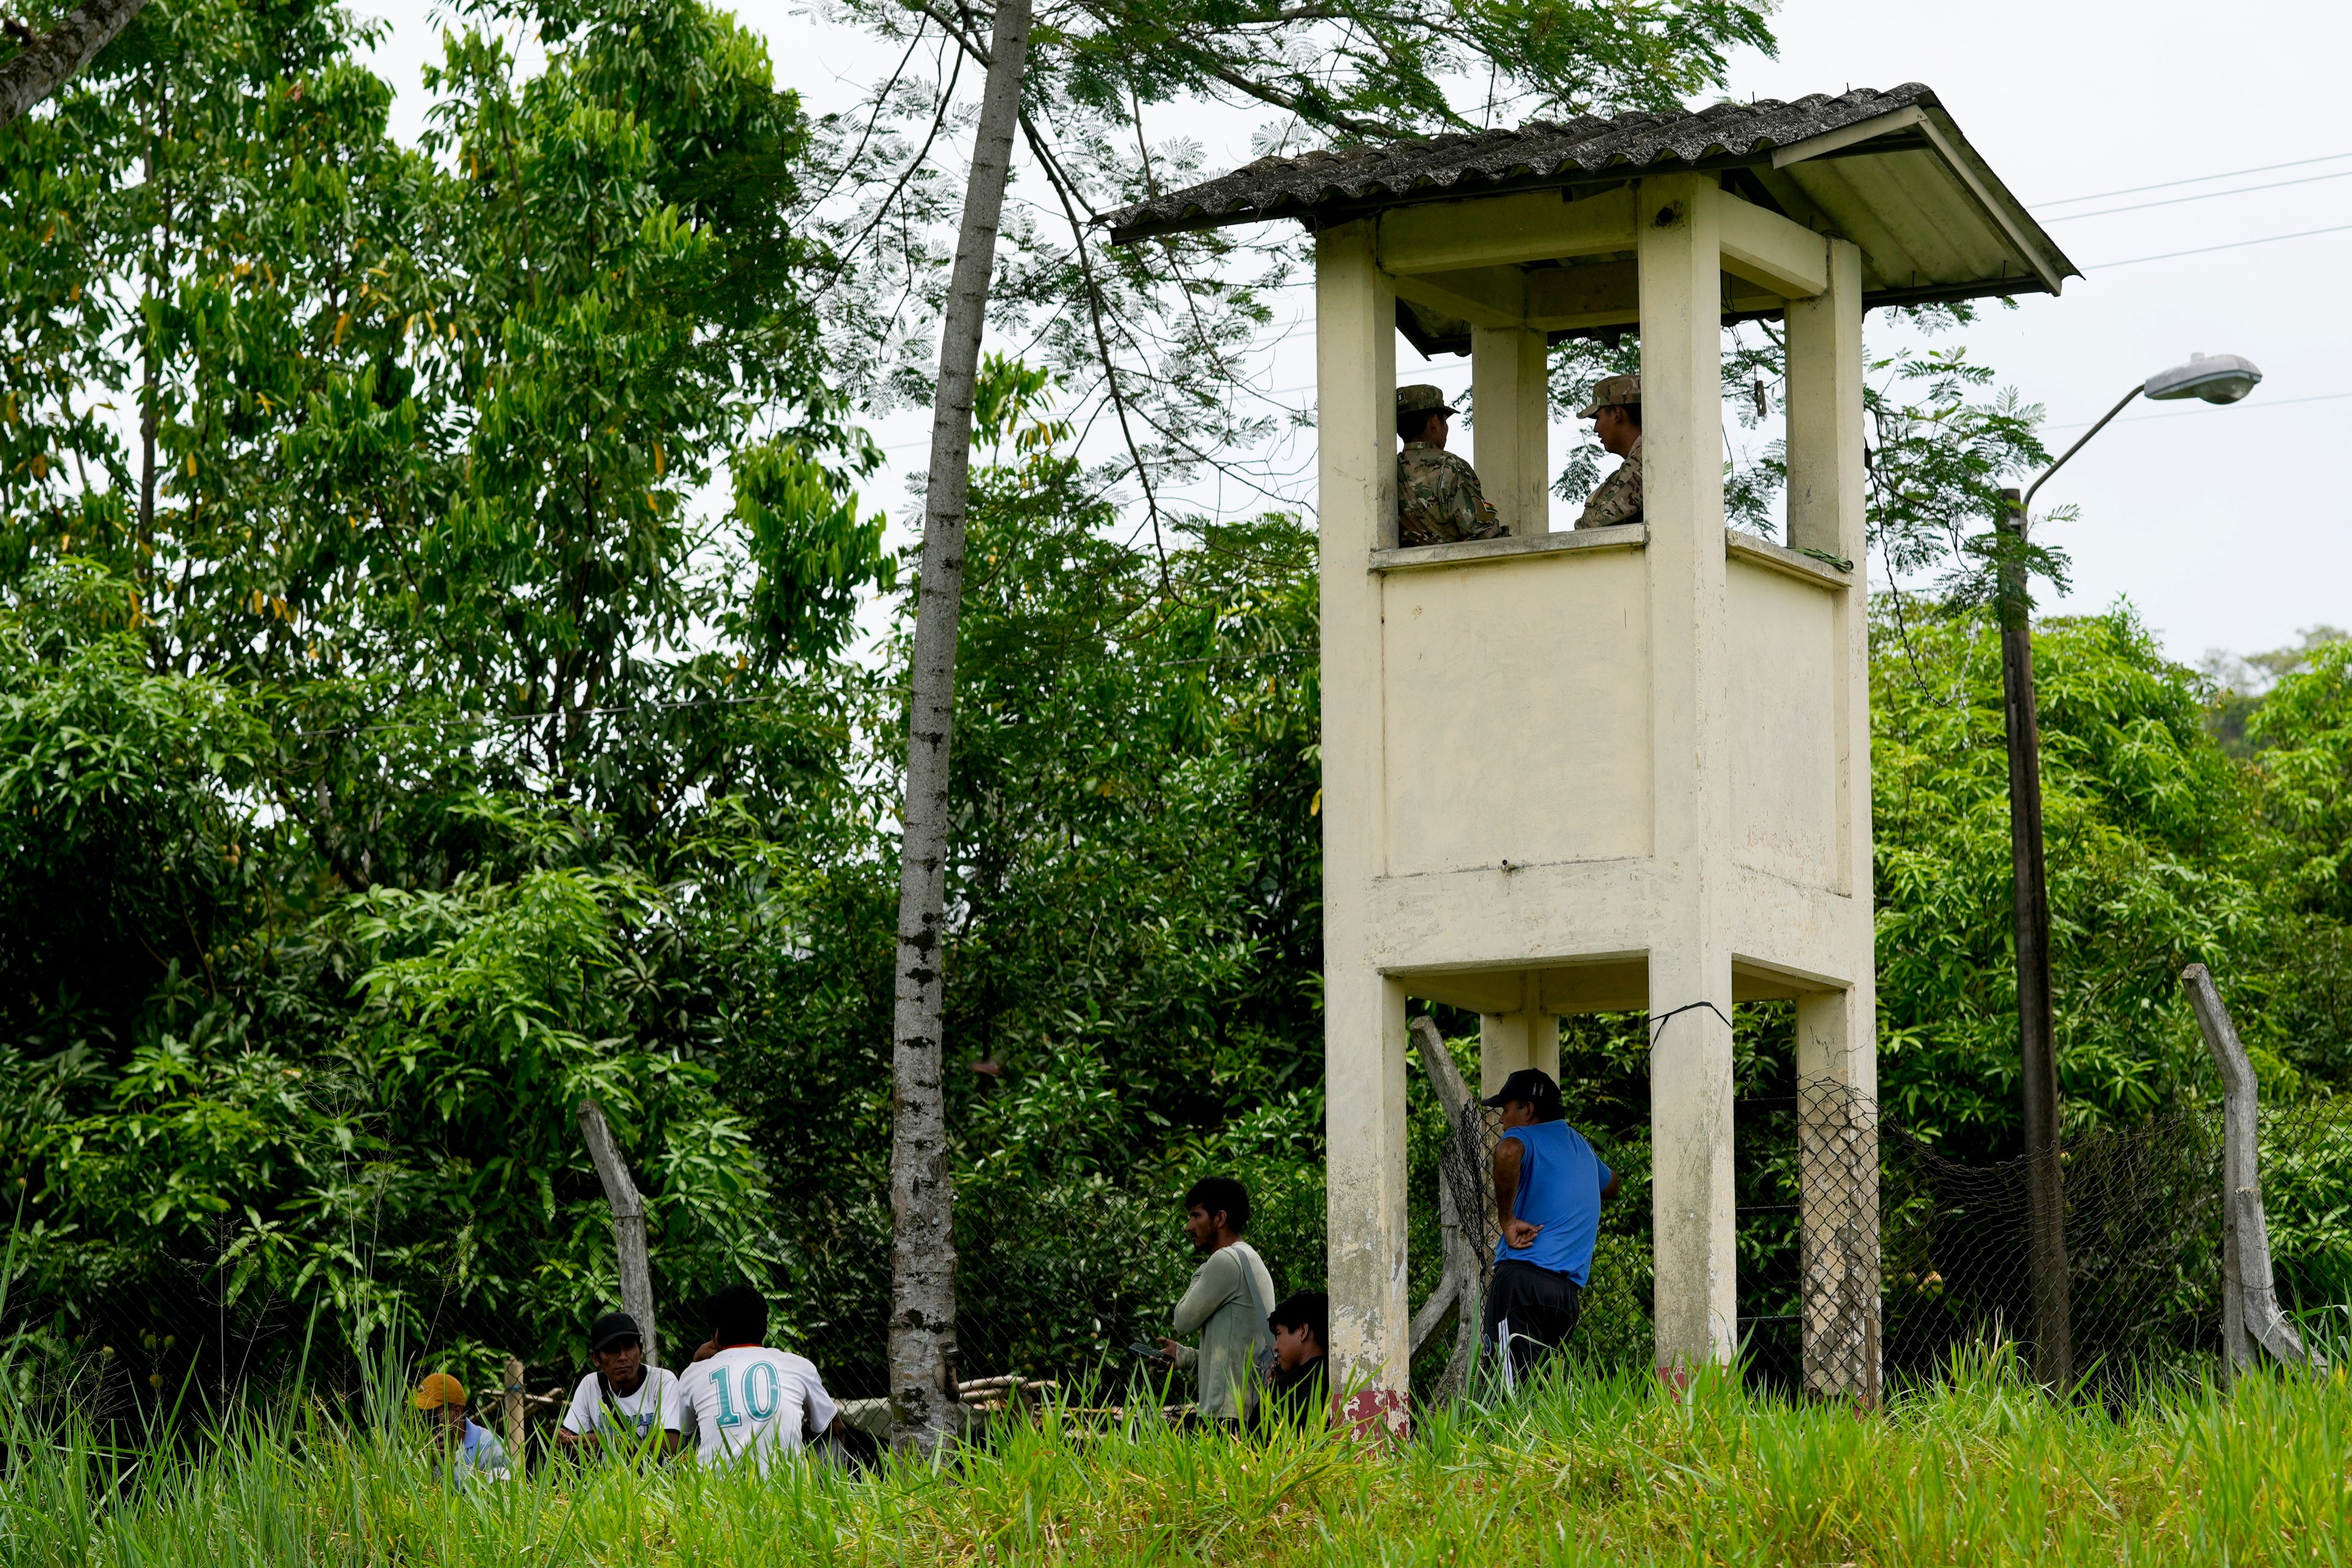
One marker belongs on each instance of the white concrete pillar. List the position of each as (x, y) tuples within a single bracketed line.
[(1837, 1175), (1828, 500), (1527, 1037), (1678, 253), (1510, 385), (1837, 1056), (1363, 1012)]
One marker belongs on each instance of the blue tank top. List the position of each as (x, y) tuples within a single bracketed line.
[(1561, 1180)]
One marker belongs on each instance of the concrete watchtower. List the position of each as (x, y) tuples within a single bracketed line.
[(1621, 768)]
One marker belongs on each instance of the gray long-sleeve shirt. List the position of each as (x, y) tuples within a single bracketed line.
[(1227, 1302)]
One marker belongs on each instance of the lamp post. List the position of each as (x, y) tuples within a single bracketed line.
[(2224, 378)]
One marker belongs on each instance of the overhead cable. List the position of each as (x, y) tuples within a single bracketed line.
[(2208, 408), (2208, 249), (2194, 180), (2203, 196)]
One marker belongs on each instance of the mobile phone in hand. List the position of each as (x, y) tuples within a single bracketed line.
[(1149, 1353)]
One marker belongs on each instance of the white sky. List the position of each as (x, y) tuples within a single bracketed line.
[(2226, 527)]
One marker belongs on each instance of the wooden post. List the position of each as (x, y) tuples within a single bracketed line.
[(512, 1401), (2250, 1308), (2054, 1350), (628, 1224), (1458, 1286)]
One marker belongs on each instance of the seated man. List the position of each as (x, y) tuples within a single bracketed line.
[(1616, 414), (1548, 1187), (1299, 1393), (1438, 498), (749, 1399), (475, 1451), (623, 1398)]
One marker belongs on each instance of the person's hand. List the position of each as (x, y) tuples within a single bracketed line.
[(1520, 1234), (705, 1351), (1170, 1350)]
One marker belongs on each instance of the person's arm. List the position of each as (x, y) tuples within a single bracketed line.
[(1516, 1233), (1212, 1286), (578, 1426), (669, 1410), (1481, 521), (1608, 1181)]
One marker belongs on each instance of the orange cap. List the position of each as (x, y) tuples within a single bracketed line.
[(438, 1390)]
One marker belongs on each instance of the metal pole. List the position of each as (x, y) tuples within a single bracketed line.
[(2053, 1350)]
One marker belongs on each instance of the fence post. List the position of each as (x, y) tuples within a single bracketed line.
[(628, 1224), (2249, 1309), (1459, 1284), (512, 1401)]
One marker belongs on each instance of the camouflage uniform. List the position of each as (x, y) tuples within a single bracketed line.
[(1438, 499), (1618, 498)]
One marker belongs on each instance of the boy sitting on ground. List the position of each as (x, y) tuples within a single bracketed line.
[(748, 1399), (475, 1451), (623, 1398)]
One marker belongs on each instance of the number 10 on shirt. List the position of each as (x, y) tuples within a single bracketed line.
[(758, 1393)]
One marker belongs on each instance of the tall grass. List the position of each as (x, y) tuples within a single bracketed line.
[(1980, 1468)]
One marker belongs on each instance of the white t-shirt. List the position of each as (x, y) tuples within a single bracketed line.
[(655, 1403), (749, 1399)]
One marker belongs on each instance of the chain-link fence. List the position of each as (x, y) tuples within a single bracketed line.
[(1056, 1285), (1865, 1255)]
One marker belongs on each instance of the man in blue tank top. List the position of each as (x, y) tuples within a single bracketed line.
[(1548, 1187)]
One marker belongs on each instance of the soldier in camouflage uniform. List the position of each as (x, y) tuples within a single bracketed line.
[(1616, 413), (1438, 498)]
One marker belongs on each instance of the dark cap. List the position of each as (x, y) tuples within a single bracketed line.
[(611, 1330), (1532, 1087)]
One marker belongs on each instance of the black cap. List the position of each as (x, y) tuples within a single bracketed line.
[(611, 1330), (1532, 1087)]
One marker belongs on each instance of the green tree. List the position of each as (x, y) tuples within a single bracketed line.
[(1147, 339)]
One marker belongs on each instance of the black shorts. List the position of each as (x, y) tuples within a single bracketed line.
[(1536, 1308)]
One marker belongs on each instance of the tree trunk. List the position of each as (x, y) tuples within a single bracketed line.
[(923, 1257), (56, 57), (633, 1261)]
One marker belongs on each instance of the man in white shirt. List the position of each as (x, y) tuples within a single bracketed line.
[(623, 1400), (748, 1399)]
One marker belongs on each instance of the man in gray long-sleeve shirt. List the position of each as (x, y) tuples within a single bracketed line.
[(1228, 1301)]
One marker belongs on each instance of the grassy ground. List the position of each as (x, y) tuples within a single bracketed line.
[(1982, 1471)]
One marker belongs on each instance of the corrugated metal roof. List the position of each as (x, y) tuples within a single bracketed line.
[(1889, 170)]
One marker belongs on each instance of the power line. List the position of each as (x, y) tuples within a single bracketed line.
[(2196, 180), (2203, 196), (2185, 413), (2208, 249)]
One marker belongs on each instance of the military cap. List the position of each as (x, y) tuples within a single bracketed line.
[(1419, 398), (1610, 392)]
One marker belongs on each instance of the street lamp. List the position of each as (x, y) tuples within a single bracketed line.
[(2224, 378)]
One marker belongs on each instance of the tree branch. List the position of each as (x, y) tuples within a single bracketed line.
[(51, 61)]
